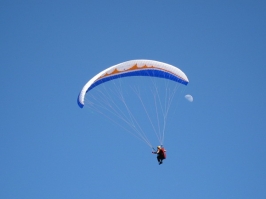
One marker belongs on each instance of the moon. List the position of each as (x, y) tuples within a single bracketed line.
[(189, 98)]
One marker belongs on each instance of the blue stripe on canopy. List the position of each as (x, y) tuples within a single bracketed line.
[(144, 72), (80, 105)]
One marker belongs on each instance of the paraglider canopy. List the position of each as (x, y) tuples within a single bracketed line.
[(134, 68)]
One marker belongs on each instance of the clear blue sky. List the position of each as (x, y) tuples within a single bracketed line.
[(50, 148)]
